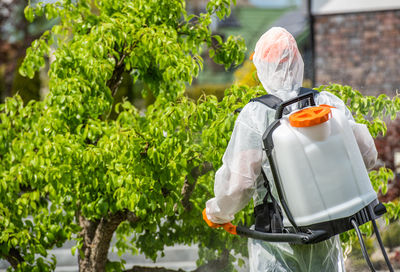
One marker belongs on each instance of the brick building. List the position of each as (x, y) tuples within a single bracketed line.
[(357, 43)]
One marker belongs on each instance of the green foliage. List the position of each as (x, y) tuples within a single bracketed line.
[(369, 110), (218, 90), (27, 221), (66, 157), (27, 88), (234, 56), (220, 7)]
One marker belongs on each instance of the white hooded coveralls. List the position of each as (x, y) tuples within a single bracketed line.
[(280, 69)]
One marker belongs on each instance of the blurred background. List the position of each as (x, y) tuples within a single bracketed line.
[(354, 43)]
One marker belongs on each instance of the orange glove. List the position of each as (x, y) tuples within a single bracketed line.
[(227, 226), (209, 223)]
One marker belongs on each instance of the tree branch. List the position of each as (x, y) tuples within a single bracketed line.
[(188, 187), (116, 77), (131, 217), (14, 257)]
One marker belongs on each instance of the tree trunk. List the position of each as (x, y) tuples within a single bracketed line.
[(13, 257), (96, 239)]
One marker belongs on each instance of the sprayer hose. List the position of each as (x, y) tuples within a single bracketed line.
[(363, 248), (378, 236)]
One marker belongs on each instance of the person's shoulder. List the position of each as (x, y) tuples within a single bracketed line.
[(256, 115), (332, 100), (254, 107), (329, 99)]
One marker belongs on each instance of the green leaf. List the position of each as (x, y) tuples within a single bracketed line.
[(28, 12)]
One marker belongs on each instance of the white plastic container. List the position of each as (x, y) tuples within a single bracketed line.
[(321, 170)]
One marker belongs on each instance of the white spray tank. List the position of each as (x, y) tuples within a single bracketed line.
[(318, 169), (320, 166)]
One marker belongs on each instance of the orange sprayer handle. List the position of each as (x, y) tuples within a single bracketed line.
[(230, 228)]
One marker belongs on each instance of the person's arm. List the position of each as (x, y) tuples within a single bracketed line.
[(365, 143), (364, 139), (235, 180)]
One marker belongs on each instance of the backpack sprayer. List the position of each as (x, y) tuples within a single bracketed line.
[(320, 177)]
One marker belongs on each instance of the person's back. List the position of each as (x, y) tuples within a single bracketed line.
[(280, 69)]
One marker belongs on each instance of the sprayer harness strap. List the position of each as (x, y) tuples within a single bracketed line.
[(269, 100), (273, 102), (268, 215)]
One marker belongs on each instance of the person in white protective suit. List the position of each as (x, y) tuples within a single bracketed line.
[(280, 69)]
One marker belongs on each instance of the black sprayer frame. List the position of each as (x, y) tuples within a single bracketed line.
[(281, 107), (310, 237)]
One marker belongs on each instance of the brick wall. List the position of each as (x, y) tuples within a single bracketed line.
[(359, 49)]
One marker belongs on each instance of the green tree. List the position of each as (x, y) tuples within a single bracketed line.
[(70, 171)]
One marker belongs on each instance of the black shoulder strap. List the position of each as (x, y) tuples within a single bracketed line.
[(273, 101), (266, 182), (270, 101)]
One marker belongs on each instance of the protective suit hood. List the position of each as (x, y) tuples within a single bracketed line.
[(279, 64)]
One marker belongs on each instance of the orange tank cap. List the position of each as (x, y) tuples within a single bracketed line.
[(311, 116), (325, 105)]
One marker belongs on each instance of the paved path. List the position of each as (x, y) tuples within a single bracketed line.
[(176, 257)]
